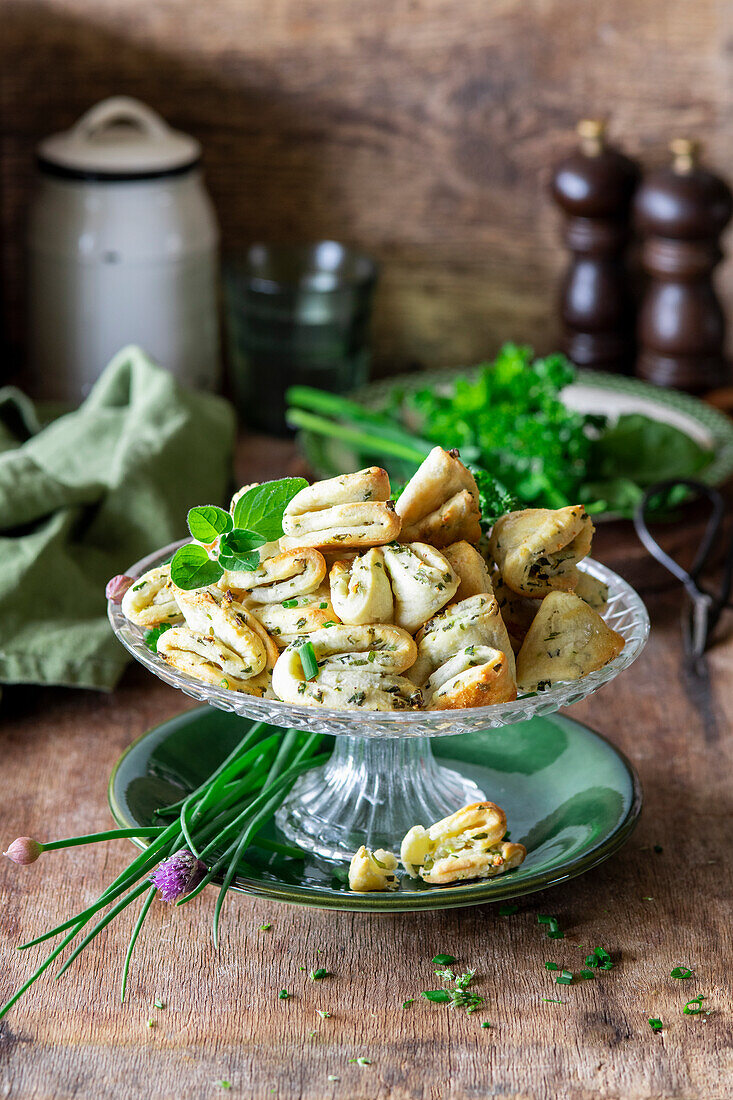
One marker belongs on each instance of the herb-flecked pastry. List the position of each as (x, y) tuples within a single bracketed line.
[(464, 656), (468, 844), (440, 503), (356, 668), (353, 510), (151, 600), (567, 640), (537, 550), (372, 871)]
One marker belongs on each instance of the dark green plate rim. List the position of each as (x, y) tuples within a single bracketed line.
[(441, 898)]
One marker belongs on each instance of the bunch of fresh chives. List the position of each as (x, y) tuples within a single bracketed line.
[(208, 834)]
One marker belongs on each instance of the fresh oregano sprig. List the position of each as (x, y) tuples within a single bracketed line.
[(230, 541)]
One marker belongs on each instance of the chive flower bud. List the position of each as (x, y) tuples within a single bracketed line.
[(178, 875), (24, 850), (117, 587)]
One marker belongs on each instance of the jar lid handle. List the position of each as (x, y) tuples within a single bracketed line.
[(121, 108)]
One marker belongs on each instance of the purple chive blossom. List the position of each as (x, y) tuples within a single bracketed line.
[(117, 587), (24, 850), (178, 875)]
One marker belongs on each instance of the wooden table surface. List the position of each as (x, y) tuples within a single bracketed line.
[(222, 1019)]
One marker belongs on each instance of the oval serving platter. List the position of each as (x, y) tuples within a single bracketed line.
[(570, 797), (595, 392)]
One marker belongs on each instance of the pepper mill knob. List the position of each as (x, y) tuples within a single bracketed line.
[(594, 187), (680, 212)]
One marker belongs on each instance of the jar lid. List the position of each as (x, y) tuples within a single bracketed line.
[(119, 139)]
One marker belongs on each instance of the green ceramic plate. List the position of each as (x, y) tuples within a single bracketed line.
[(594, 392), (570, 797)]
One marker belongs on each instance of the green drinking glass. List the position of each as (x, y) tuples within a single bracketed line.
[(296, 315)]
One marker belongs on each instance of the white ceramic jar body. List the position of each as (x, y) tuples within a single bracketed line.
[(115, 263)]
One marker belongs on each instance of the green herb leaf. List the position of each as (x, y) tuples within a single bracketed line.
[(408, 1002), (207, 522), (438, 996), (192, 568), (655, 1024), (261, 508), (486, 1024), (316, 975), (238, 550), (444, 960), (694, 1007), (681, 972), (152, 635), (283, 995)]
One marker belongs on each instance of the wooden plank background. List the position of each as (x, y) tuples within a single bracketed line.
[(421, 130)]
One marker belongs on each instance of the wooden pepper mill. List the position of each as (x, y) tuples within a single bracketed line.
[(594, 187), (681, 212)]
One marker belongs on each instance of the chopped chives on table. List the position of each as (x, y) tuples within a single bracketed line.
[(655, 1024), (565, 977), (551, 966), (308, 661), (694, 1007), (408, 1002), (443, 960), (486, 1024), (316, 975), (587, 974), (283, 995), (553, 1000), (681, 972)]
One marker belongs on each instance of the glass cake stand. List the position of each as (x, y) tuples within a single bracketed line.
[(382, 777)]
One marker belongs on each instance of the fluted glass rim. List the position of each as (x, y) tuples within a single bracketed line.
[(626, 613)]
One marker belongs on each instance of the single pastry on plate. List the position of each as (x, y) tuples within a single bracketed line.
[(567, 640), (440, 503), (468, 844), (372, 871), (358, 668), (536, 550), (208, 659), (353, 510)]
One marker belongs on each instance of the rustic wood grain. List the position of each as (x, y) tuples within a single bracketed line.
[(223, 1019), (421, 130)]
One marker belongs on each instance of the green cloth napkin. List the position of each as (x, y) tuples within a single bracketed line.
[(84, 498)]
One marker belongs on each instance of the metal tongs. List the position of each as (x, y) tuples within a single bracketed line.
[(701, 615)]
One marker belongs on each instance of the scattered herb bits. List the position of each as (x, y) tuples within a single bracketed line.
[(681, 972), (694, 1007), (283, 995), (565, 977), (360, 1061), (551, 966), (265, 927), (438, 996), (587, 974), (444, 960), (223, 1084), (157, 1003), (655, 1024), (486, 1024), (553, 1000), (408, 1002), (316, 975), (323, 1014), (333, 1077)]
